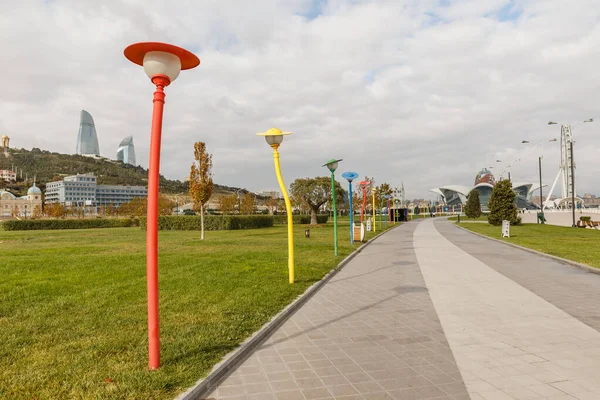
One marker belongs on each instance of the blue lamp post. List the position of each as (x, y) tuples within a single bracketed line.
[(332, 166), (350, 176), (388, 197)]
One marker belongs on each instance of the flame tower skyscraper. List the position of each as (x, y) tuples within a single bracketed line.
[(87, 139)]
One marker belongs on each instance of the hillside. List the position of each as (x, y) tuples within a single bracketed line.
[(47, 167)]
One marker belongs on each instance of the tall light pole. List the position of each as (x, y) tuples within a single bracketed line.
[(332, 166), (162, 63), (540, 172), (274, 137), (350, 176), (388, 197), (568, 161), (373, 190), (363, 185)]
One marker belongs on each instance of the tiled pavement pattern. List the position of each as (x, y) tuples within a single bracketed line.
[(508, 342), (573, 290), (370, 333)]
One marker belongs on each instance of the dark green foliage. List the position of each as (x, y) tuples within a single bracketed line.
[(40, 224), (502, 204), (585, 219), (299, 219), (473, 207), (211, 222)]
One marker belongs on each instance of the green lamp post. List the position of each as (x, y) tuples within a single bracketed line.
[(332, 166)]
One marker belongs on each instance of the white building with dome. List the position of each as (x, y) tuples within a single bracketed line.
[(23, 206)]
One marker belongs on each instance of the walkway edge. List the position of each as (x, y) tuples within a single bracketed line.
[(539, 253), (232, 360)]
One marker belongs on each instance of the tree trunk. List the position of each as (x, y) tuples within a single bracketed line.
[(201, 221), (313, 215)]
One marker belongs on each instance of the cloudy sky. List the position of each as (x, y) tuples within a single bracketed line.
[(424, 92)]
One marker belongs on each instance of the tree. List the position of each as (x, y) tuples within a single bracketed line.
[(56, 210), (247, 204), (272, 204), (502, 204), (138, 207), (473, 207), (37, 212), (228, 203), (314, 192), (201, 182)]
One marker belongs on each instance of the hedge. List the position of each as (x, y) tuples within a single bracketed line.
[(299, 219), (39, 224), (211, 222)]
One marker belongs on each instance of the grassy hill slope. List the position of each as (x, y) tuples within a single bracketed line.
[(47, 167)]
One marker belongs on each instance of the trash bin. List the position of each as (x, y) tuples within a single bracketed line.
[(540, 218)]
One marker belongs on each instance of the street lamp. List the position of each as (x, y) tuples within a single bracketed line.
[(564, 141), (364, 185), (373, 190), (274, 137), (332, 166), (350, 176), (388, 197), (381, 201), (540, 172), (162, 63)]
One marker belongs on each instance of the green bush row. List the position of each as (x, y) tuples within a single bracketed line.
[(299, 219), (211, 222), (39, 224)]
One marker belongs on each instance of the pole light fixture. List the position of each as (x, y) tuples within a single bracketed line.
[(162, 63), (388, 197), (274, 137), (332, 166), (540, 171), (364, 185), (373, 190), (350, 176)]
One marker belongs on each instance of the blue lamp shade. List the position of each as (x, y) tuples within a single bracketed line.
[(350, 176), (332, 164)]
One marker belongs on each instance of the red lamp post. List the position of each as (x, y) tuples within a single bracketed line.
[(162, 63), (363, 185)]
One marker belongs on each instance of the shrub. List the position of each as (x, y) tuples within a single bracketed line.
[(299, 219), (502, 204), (585, 219), (473, 207), (30, 225), (211, 222)]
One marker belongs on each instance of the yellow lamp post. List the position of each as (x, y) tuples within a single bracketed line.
[(374, 224), (274, 137)]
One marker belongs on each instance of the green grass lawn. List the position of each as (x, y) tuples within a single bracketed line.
[(577, 244), (73, 307)]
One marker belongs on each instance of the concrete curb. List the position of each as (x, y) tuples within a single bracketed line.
[(539, 253), (232, 360)]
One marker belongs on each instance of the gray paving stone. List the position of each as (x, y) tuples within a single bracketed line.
[(370, 333), (571, 289)]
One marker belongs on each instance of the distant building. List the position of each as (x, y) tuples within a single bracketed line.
[(83, 190), (457, 195), (126, 151), (270, 194), (20, 206), (4, 145), (8, 175), (87, 139)]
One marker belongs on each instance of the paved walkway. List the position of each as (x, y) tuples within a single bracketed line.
[(429, 311)]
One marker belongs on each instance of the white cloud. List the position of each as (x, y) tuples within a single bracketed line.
[(424, 92)]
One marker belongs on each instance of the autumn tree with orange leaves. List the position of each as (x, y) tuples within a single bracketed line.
[(201, 183)]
